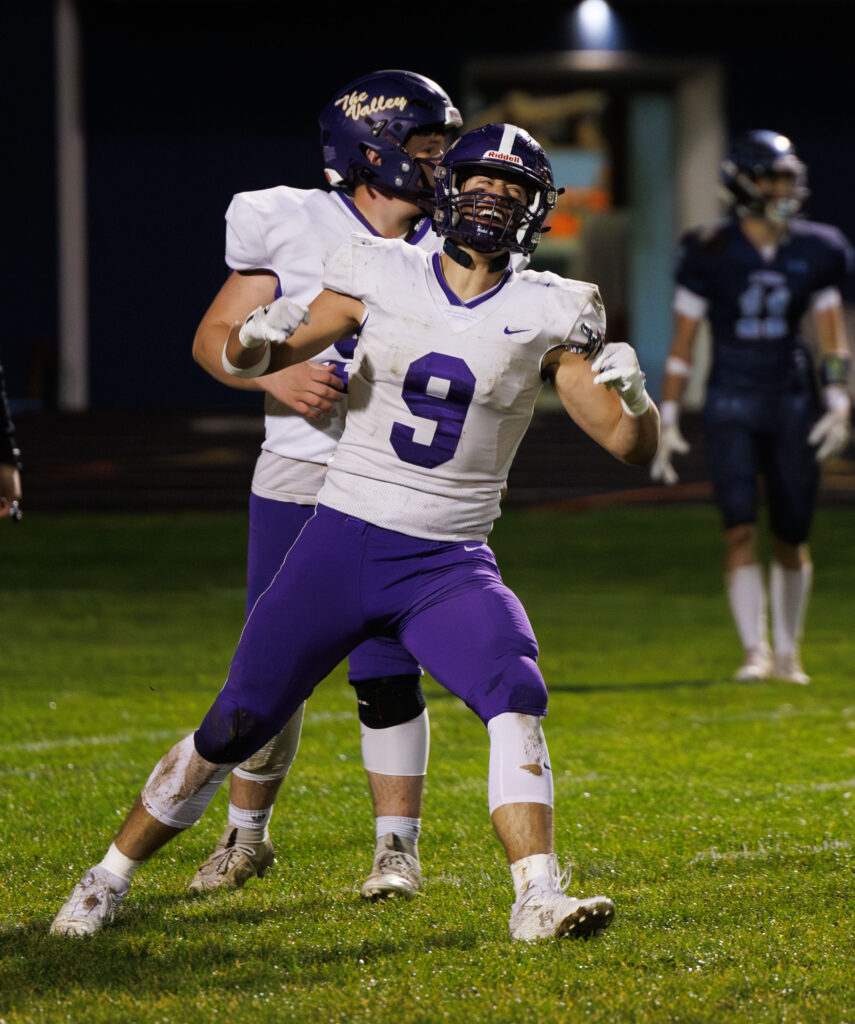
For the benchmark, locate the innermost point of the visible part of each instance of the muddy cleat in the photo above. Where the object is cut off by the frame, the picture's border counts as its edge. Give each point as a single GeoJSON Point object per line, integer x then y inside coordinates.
{"type": "Point", "coordinates": [789, 669]}
{"type": "Point", "coordinates": [757, 665]}
{"type": "Point", "coordinates": [545, 912]}
{"type": "Point", "coordinates": [396, 870]}
{"type": "Point", "coordinates": [92, 904]}
{"type": "Point", "coordinates": [233, 863]}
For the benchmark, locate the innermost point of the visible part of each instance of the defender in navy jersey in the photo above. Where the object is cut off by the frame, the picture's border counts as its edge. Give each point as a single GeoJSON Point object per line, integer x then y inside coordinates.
{"type": "Point", "coordinates": [453, 349]}
{"type": "Point", "coordinates": [754, 276]}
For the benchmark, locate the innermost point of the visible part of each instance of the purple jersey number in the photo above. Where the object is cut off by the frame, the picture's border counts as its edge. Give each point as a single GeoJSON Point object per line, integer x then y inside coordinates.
{"type": "Point", "coordinates": [345, 347]}
{"type": "Point", "coordinates": [439, 388]}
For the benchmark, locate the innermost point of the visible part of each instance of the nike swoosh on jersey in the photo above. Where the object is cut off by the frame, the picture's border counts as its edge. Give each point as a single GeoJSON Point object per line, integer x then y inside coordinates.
{"type": "Point", "coordinates": [472, 547]}
{"type": "Point", "coordinates": [521, 330]}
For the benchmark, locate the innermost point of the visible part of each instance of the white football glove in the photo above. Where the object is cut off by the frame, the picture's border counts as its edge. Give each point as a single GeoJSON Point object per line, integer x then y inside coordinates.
{"type": "Point", "coordinates": [671, 442]}
{"type": "Point", "coordinates": [617, 367]}
{"type": "Point", "coordinates": [831, 431]}
{"type": "Point", "coordinates": [274, 323]}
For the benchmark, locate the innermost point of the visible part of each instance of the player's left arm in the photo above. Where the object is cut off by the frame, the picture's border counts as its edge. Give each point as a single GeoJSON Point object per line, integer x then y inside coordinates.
{"type": "Point", "coordinates": [607, 399]}
{"type": "Point", "coordinates": [274, 337]}
{"type": "Point", "coordinates": [831, 432]}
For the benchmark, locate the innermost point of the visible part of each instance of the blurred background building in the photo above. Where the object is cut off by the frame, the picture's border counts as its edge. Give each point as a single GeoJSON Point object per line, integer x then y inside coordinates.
{"type": "Point", "coordinates": [131, 124]}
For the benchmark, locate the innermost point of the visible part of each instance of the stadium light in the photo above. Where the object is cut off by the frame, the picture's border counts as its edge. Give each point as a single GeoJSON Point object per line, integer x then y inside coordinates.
{"type": "Point", "coordinates": [595, 26]}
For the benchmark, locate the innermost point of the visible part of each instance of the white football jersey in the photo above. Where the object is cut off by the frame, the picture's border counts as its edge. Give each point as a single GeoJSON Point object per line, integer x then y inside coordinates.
{"type": "Point", "coordinates": [442, 391]}
{"type": "Point", "coordinates": [292, 232]}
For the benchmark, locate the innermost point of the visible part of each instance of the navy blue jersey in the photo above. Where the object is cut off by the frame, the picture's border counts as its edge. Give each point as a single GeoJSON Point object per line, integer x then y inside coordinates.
{"type": "Point", "coordinates": [755, 305]}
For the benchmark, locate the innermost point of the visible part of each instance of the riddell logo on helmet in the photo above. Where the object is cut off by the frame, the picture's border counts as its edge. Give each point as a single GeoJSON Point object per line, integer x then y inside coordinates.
{"type": "Point", "coordinates": [509, 158]}
{"type": "Point", "coordinates": [353, 105]}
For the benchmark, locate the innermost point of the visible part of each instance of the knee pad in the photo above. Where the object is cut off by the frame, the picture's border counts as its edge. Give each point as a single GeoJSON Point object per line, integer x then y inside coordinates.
{"type": "Point", "coordinates": [389, 700]}
{"type": "Point", "coordinates": [398, 749]}
{"type": "Point", "coordinates": [182, 785]}
{"type": "Point", "coordinates": [275, 758]}
{"type": "Point", "coordinates": [520, 772]}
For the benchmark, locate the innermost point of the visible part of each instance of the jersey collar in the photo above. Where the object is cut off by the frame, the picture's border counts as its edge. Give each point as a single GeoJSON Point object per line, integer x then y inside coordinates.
{"type": "Point", "coordinates": [454, 299]}
{"type": "Point", "coordinates": [414, 237]}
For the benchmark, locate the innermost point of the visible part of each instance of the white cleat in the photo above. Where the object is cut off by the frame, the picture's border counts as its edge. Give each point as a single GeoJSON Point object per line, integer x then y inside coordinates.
{"type": "Point", "coordinates": [757, 665]}
{"type": "Point", "coordinates": [396, 872]}
{"type": "Point", "coordinates": [232, 863]}
{"type": "Point", "coordinates": [545, 912]}
{"type": "Point", "coordinates": [789, 669]}
{"type": "Point", "coordinates": [92, 904]}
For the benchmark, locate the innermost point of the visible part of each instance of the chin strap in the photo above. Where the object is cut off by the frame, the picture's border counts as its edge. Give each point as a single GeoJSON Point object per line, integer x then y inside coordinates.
{"type": "Point", "coordinates": [499, 262]}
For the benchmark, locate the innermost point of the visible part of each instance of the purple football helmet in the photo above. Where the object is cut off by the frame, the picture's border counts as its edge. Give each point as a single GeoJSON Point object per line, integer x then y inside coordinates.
{"type": "Point", "coordinates": [381, 111]}
{"type": "Point", "coordinates": [485, 222]}
{"type": "Point", "coordinates": [763, 154]}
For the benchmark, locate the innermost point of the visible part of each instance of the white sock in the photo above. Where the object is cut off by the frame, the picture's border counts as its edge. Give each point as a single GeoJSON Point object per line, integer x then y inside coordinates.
{"type": "Point", "coordinates": [747, 597]}
{"type": "Point", "coordinates": [120, 868]}
{"type": "Point", "coordinates": [404, 828]}
{"type": "Point", "coordinates": [789, 590]}
{"type": "Point", "coordinates": [251, 822]}
{"type": "Point", "coordinates": [525, 870]}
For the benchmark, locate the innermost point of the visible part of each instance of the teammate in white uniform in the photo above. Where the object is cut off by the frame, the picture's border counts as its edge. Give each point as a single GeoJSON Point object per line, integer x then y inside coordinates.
{"type": "Point", "coordinates": [377, 133]}
{"type": "Point", "coordinates": [453, 349]}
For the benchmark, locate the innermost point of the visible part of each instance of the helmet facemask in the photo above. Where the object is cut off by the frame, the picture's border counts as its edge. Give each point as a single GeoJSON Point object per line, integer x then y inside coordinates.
{"type": "Point", "coordinates": [758, 157]}
{"type": "Point", "coordinates": [404, 175]}
{"type": "Point", "coordinates": [488, 222]}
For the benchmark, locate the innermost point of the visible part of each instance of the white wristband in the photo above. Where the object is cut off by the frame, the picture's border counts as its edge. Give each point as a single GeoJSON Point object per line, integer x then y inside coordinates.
{"type": "Point", "coordinates": [669, 413]}
{"type": "Point", "coordinates": [678, 367]}
{"type": "Point", "coordinates": [836, 398]}
{"type": "Point", "coordinates": [250, 372]}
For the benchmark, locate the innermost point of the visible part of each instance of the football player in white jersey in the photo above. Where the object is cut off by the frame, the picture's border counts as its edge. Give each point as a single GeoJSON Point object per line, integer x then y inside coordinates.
{"type": "Point", "coordinates": [453, 349]}
{"type": "Point", "coordinates": [380, 135]}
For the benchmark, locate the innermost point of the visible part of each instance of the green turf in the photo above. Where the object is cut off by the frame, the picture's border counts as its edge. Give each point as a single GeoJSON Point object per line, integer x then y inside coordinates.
{"type": "Point", "coordinates": [717, 816]}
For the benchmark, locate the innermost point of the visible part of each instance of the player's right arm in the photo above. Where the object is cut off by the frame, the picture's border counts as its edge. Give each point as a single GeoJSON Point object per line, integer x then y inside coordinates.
{"type": "Point", "coordinates": [309, 389]}
{"type": "Point", "coordinates": [331, 317]}
{"type": "Point", "coordinates": [238, 297]}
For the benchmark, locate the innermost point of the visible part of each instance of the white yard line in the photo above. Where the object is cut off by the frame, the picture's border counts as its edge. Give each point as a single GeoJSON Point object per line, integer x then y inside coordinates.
{"type": "Point", "coordinates": [763, 850]}
{"type": "Point", "coordinates": [90, 741]}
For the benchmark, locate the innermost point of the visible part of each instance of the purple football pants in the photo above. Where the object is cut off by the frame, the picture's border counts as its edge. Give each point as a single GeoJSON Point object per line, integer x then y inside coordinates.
{"type": "Point", "coordinates": [273, 528]}
{"type": "Point", "coordinates": [344, 581]}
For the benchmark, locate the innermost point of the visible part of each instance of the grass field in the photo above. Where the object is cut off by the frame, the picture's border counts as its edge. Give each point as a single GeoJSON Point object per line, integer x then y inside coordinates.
{"type": "Point", "coordinates": [717, 816]}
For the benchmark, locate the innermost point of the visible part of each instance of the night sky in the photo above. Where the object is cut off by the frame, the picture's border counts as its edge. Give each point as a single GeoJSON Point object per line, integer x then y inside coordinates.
{"type": "Point", "coordinates": [187, 103]}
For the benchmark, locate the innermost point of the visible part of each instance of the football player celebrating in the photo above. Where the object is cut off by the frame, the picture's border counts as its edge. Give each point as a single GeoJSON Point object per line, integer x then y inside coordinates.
{"type": "Point", "coordinates": [380, 136]}
{"type": "Point", "coordinates": [452, 351]}
{"type": "Point", "coordinates": [10, 460]}
{"type": "Point", "coordinates": [754, 276]}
